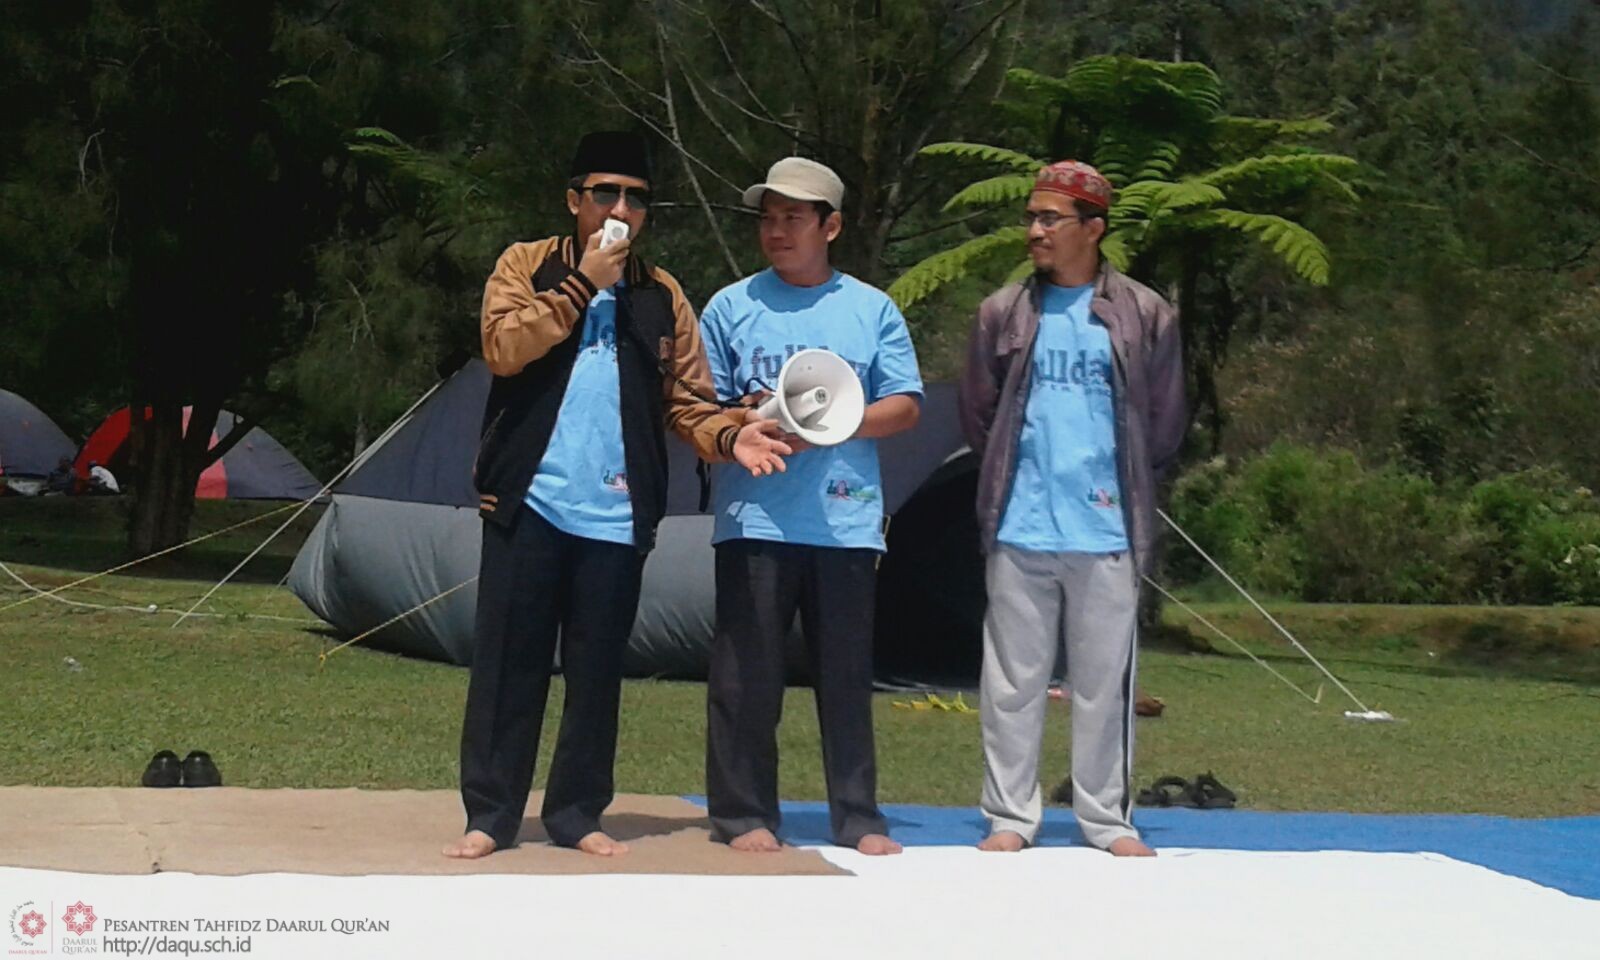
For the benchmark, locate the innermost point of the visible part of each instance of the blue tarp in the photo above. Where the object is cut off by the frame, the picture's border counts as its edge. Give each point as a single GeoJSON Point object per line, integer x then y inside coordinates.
{"type": "Point", "coordinates": [1563, 853]}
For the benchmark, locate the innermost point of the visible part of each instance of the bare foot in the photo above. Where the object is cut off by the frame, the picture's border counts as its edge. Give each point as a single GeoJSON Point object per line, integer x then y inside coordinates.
{"type": "Point", "coordinates": [1002, 841]}
{"type": "Point", "coordinates": [601, 845]}
{"type": "Point", "coordinates": [472, 846]}
{"type": "Point", "coordinates": [878, 845]}
{"type": "Point", "coordinates": [1129, 847]}
{"type": "Point", "coordinates": [759, 840]}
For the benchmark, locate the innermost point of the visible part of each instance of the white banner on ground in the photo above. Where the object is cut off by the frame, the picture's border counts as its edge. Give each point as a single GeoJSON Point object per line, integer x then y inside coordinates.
{"type": "Point", "coordinates": [930, 902]}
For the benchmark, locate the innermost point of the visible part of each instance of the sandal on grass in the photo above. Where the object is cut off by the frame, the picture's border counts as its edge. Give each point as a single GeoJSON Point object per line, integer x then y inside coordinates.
{"type": "Point", "coordinates": [1208, 793]}
{"type": "Point", "coordinates": [1166, 792]}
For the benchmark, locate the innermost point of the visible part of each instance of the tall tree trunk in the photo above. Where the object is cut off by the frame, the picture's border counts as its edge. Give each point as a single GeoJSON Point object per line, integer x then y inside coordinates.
{"type": "Point", "coordinates": [162, 501]}
{"type": "Point", "coordinates": [1200, 350]}
{"type": "Point", "coordinates": [167, 460]}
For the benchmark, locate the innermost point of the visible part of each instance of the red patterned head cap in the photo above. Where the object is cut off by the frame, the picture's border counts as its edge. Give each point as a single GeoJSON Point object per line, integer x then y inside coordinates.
{"type": "Point", "coordinates": [1077, 180]}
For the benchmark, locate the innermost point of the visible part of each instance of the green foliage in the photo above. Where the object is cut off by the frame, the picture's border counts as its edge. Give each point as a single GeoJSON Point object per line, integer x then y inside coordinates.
{"type": "Point", "coordinates": [407, 164]}
{"type": "Point", "coordinates": [1485, 375]}
{"type": "Point", "coordinates": [1280, 173]}
{"type": "Point", "coordinates": [955, 263]}
{"type": "Point", "coordinates": [983, 153]}
{"type": "Point", "coordinates": [1542, 538]}
{"type": "Point", "coordinates": [1149, 199]}
{"type": "Point", "coordinates": [1299, 247]}
{"type": "Point", "coordinates": [1319, 526]}
{"type": "Point", "coordinates": [1010, 188]}
{"type": "Point", "coordinates": [310, 198]}
{"type": "Point", "coordinates": [1157, 132]}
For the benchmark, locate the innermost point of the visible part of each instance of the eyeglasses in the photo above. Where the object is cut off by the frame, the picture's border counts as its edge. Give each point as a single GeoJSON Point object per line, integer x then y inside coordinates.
{"type": "Point", "coordinates": [607, 195]}
{"type": "Point", "coordinates": [1049, 219]}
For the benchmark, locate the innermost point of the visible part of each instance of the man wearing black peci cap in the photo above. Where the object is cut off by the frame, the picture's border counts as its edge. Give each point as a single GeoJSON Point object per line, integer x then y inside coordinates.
{"type": "Point", "coordinates": [593, 351]}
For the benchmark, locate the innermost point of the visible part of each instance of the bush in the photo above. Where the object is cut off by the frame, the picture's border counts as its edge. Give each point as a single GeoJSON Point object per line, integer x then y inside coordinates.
{"type": "Point", "coordinates": [1312, 525]}
{"type": "Point", "coordinates": [1542, 541]}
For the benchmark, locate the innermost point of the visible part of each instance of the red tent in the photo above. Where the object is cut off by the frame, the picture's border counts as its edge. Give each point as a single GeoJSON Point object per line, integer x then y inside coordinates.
{"type": "Point", "coordinates": [257, 468]}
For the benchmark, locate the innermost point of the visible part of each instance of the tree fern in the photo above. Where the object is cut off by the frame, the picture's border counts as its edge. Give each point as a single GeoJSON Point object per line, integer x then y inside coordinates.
{"type": "Point", "coordinates": [1103, 88]}
{"type": "Point", "coordinates": [1183, 170]}
{"type": "Point", "coordinates": [995, 191]}
{"type": "Point", "coordinates": [1095, 80]}
{"type": "Point", "coordinates": [1281, 173]}
{"type": "Point", "coordinates": [447, 184]}
{"type": "Point", "coordinates": [1021, 271]}
{"type": "Point", "coordinates": [1258, 133]}
{"type": "Point", "coordinates": [1150, 198]}
{"type": "Point", "coordinates": [1300, 248]}
{"type": "Point", "coordinates": [1116, 247]}
{"type": "Point", "coordinates": [953, 264]}
{"type": "Point", "coordinates": [985, 153]}
{"type": "Point", "coordinates": [1033, 85]}
{"type": "Point", "coordinates": [1198, 83]}
{"type": "Point", "coordinates": [1125, 154]}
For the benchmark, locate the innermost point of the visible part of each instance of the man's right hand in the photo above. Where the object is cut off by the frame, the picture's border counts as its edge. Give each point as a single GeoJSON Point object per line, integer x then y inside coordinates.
{"type": "Point", "coordinates": [604, 267]}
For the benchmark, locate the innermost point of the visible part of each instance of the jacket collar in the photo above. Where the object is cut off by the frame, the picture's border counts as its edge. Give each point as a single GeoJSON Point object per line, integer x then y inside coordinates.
{"type": "Point", "coordinates": [1104, 304]}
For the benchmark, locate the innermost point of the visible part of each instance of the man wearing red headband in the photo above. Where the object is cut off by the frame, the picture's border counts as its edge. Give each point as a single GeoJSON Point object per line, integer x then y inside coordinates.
{"type": "Point", "coordinates": [1073, 398]}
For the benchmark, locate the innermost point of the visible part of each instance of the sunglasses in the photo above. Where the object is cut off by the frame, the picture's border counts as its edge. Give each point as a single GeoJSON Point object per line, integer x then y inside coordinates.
{"type": "Point", "coordinates": [607, 195]}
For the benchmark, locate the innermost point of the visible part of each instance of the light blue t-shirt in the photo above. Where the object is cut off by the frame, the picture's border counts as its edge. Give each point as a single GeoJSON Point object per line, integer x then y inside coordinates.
{"type": "Point", "coordinates": [827, 496]}
{"type": "Point", "coordinates": [1065, 496]}
{"type": "Point", "coordinates": [581, 485]}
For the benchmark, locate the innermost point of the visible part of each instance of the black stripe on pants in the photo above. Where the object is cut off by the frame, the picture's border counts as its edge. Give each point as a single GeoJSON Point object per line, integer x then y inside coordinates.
{"type": "Point", "coordinates": [760, 585]}
{"type": "Point", "coordinates": [535, 583]}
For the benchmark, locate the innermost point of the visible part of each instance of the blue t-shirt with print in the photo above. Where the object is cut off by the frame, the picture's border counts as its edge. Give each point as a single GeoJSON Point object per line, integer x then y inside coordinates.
{"type": "Point", "coordinates": [1065, 496]}
{"type": "Point", "coordinates": [581, 485]}
{"type": "Point", "coordinates": [827, 496]}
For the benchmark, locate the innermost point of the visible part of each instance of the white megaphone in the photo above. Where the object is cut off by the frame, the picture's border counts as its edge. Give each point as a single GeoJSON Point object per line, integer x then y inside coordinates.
{"type": "Point", "coordinates": [819, 399]}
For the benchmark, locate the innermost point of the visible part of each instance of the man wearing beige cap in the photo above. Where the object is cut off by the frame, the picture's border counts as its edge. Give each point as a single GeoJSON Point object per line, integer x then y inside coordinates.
{"type": "Point", "coordinates": [807, 540]}
{"type": "Point", "coordinates": [1073, 398]}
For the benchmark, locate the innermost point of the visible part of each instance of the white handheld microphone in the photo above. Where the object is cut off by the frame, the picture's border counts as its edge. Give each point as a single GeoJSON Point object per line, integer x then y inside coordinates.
{"type": "Point", "coordinates": [612, 232]}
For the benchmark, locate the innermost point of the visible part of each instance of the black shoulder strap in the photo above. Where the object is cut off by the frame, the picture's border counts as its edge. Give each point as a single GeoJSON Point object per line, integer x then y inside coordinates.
{"type": "Point", "coordinates": [640, 271]}
{"type": "Point", "coordinates": [643, 271]}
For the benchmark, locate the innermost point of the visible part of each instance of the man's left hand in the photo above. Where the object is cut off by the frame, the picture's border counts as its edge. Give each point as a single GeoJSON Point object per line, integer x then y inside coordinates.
{"type": "Point", "coordinates": [760, 448]}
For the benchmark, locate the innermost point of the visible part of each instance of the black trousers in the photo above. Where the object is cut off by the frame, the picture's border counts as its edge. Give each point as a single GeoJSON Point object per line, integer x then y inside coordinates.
{"type": "Point", "coordinates": [537, 583]}
{"type": "Point", "coordinates": [760, 585]}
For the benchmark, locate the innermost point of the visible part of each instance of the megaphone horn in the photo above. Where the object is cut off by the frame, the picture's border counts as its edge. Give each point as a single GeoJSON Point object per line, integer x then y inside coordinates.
{"type": "Point", "coordinates": [818, 398]}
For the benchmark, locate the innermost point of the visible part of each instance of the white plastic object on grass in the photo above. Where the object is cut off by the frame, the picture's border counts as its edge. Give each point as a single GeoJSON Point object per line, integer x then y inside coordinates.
{"type": "Point", "coordinates": [1375, 716]}
{"type": "Point", "coordinates": [151, 609]}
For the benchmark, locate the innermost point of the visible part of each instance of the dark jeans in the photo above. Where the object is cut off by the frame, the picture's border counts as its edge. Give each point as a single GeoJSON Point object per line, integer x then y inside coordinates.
{"type": "Point", "coordinates": [760, 585]}
{"type": "Point", "coordinates": [536, 583]}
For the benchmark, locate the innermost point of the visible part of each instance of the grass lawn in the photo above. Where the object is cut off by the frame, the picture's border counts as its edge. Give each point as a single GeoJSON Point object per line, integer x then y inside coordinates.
{"type": "Point", "coordinates": [1501, 708]}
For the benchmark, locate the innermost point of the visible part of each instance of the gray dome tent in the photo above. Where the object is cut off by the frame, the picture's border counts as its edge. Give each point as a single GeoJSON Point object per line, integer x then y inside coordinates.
{"type": "Point", "coordinates": [403, 528]}
{"type": "Point", "coordinates": [31, 445]}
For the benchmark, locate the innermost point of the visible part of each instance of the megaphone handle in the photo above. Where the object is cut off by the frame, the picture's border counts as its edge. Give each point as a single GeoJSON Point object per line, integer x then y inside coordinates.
{"type": "Point", "coordinates": [803, 406]}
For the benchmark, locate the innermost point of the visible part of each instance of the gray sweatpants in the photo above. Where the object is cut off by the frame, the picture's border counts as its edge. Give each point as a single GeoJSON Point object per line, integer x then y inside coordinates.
{"type": "Point", "coordinates": [1037, 602]}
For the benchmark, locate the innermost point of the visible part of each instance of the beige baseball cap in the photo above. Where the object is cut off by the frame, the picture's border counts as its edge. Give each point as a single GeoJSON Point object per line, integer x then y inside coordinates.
{"type": "Point", "coordinates": [799, 179]}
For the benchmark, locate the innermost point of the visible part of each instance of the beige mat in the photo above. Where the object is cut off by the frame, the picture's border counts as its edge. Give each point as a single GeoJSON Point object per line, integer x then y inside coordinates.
{"type": "Point", "coordinates": [230, 831]}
